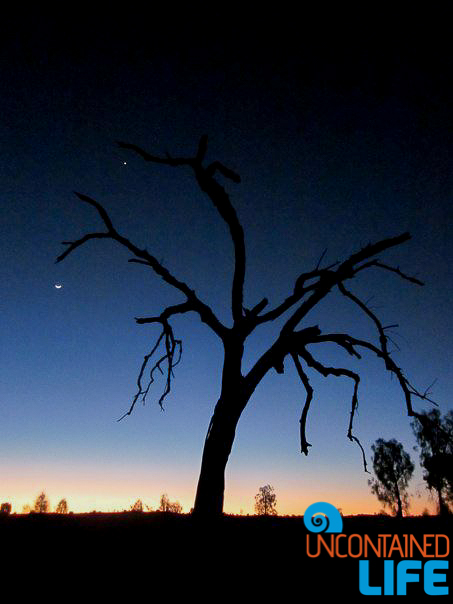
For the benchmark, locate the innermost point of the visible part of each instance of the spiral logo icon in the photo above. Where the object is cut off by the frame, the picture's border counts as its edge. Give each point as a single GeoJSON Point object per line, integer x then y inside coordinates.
{"type": "Point", "coordinates": [323, 517]}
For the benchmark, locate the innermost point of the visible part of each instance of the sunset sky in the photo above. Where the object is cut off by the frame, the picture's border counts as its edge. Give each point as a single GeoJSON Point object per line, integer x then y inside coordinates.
{"type": "Point", "coordinates": [338, 144]}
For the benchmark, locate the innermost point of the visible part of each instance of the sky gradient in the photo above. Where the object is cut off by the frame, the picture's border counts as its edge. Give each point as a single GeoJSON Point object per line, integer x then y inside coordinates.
{"type": "Point", "coordinates": [337, 144]}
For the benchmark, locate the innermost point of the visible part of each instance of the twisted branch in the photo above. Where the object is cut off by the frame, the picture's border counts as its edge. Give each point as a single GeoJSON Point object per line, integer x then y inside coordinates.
{"type": "Point", "coordinates": [336, 371]}
{"type": "Point", "coordinates": [142, 256]}
{"type": "Point", "coordinates": [408, 389]}
{"type": "Point", "coordinates": [304, 444]}
{"type": "Point", "coordinates": [222, 203]}
{"type": "Point", "coordinates": [326, 278]}
{"type": "Point", "coordinates": [172, 356]}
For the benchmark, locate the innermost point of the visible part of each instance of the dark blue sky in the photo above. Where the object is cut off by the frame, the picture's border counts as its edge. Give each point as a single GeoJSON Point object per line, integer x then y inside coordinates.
{"type": "Point", "coordinates": [339, 141]}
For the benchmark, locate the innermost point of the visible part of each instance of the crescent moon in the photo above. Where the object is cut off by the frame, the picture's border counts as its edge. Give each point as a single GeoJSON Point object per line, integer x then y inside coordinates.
{"type": "Point", "coordinates": [58, 286]}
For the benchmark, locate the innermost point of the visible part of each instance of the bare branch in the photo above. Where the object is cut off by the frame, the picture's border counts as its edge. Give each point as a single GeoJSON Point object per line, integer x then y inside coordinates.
{"type": "Point", "coordinates": [312, 337]}
{"type": "Point", "coordinates": [167, 313]}
{"type": "Point", "coordinates": [367, 311]}
{"type": "Point", "coordinates": [138, 261]}
{"type": "Point", "coordinates": [140, 391]}
{"type": "Point", "coordinates": [392, 269]}
{"type": "Point", "coordinates": [304, 444]}
{"type": "Point", "coordinates": [172, 356]}
{"type": "Point", "coordinates": [351, 436]}
{"type": "Point", "coordinates": [144, 257]}
{"type": "Point", "coordinates": [390, 365]}
{"type": "Point", "coordinates": [346, 270]}
{"type": "Point", "coordinates": [216, 166]}
{"type": "Point", "coordinates": [279, 310]}
{"type": "Point", "coordinates": [168, 160]}
{"type": "Point", "coordinates": [320, 260]}
{"type": "Point", "coordinates": [301, 280]}
{"type": "Point", "coordinates": [202, 148]}
{"type": "Point", "coordinates": [102, 211]}
{"type": "Point", "coordinates": [222, 203]}
{"type": "Point", "coordinates": [371, 250]}
{"type": "Point", "coordinates": [299, 292]}
{"type": "Point", "coordinates": [356, 440]}
{"type": "Point", "coordinates": [327, 278]}
{"type": "Point", "coordinates": [259, 307]}
{"type": "Point", "coordinates": [292, 342]}
{"type": "Point", "coordinates": [75, 244]}
{"type": "Point", "coordinates": [326, 371]}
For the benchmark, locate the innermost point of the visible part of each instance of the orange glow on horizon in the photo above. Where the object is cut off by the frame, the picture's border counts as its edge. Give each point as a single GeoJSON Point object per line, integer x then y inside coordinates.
{"type": "Point", "coordinates": [110, 493]}
{"type": "Point", "coordinates": [84, 505]}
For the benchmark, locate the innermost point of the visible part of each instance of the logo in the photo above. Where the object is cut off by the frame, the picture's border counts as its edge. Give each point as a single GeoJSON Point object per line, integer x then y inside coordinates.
{"type": "Point", "coordinates": [323, 517]}
{"type": "Point", "coordinates": [380, 550]}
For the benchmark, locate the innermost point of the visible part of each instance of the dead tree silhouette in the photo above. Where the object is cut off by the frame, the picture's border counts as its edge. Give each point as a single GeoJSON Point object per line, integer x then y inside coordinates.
{"type": "Point", "coordinates": [292, 341]}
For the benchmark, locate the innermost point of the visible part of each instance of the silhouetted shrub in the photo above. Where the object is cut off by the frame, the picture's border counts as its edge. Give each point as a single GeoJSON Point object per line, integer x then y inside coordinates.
{"type": "Point", "coordinates": [5, 508]}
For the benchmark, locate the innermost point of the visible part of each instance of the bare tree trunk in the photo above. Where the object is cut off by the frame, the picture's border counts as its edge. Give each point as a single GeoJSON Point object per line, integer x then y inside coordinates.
{"type": "Point", "coordinates": [219, 440]}
{"type": "Point", "coordinates": [217, 448]}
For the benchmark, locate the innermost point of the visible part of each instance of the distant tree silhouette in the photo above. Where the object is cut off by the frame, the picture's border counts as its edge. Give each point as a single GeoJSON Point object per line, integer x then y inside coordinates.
{"type": "Point", "coordinates": [164, 503]}
{"type": "Point", "coordinates": [175, 507]}
{"type": "Point", "coordinates": [5, 508]}
{"type": "Point", "coordinates": [41, 505]}
{"type": "Point", "coordinates": [138, 506]}
{"type": "Point", "coordinates": [62, 507]}
{"type": "Point", "coordinates": [434, 435]}
{"type": "Point", "coordinates": [393, 469]}
{"type": "Point", "coordinates": [266, 501]}
{"type": "Point", "coordinates": [168, 506]}
{"type": "Point", "coordinates": [294, 341]}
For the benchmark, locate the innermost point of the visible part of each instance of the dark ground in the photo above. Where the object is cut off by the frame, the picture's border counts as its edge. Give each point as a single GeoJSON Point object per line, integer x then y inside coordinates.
{"type": "Point", "coordinates": [143, 554]}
